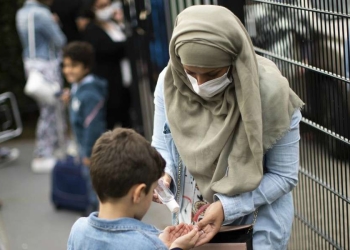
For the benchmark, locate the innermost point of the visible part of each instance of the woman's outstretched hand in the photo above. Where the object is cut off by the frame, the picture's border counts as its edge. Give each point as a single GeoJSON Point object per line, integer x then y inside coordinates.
{"type": "Point", "coordinates": [211, 223]}
{"type": "Point", "coordinates": [166, 180]}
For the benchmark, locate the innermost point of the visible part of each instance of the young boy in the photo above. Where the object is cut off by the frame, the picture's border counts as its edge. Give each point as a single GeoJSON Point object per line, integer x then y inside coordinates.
{"type": "Point", "coordinates": [125, 170]}
{"type": "Point", "coordinates": [87, 97]}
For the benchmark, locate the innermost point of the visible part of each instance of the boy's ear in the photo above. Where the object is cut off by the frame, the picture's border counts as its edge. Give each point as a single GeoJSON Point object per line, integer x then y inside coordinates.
{"type": "Point", "coordinates": [139, 192]}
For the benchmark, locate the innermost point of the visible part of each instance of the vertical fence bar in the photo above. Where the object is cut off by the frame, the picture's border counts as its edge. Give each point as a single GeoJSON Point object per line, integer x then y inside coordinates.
{"type": "Point", "coordinates": [346, 218]}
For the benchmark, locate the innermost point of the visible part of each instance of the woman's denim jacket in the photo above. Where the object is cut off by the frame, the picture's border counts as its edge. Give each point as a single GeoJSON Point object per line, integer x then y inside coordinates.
{"type": "Point", "coordinates": [273, 197]}
{"type": "Point", "coordinates": [49, 39]}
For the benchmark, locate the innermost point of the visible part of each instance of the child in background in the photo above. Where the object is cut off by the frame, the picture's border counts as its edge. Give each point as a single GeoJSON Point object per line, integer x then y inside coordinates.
{"type": "Point", "coordinates": [125, 170]}
{"type": "Point", "coordinates": [86, 104]}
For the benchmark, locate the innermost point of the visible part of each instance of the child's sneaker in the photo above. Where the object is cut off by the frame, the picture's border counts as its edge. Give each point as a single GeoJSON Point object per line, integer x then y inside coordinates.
{"type": "Point", "coordinates": [43, 165]}
{"type": "Point", "coordinates": [8, 155]}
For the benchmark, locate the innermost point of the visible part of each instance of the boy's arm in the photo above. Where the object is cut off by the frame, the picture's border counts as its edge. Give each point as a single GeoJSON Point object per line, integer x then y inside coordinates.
{"type": "Point", "coordinates": [94, 122]}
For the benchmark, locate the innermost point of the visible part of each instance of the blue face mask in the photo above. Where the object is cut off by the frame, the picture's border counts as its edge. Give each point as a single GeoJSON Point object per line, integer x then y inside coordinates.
{"type": "Point", "coordinates": [210, 88]}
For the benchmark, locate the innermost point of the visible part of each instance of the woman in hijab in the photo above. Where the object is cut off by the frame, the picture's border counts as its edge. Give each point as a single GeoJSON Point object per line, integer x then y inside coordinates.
{"type": "Point", "coordinates": [227, 124]}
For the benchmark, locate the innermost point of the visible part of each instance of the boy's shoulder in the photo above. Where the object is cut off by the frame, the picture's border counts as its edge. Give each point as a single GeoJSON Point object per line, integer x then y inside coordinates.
{"type": "Point", "coordinates": [93, 86]}
{"type": "Point", "coordinates": [81, 224]}
{"type": "Point", "coordinates": [142, 235]}
{"type": "Point", "coordinates": [95, 80]}
{"type": "Point", "coordinates": [99, 81]}
{"type": "Point", "coordinates": [129, 233]}
{"type": "Point", "coordinates": [79, 230]}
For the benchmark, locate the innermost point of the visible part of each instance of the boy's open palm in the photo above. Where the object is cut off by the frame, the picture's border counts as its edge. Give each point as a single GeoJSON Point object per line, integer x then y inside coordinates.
{"type": "Point", "coordinates": [187, 241]}
{"type": "Point", "coordinates": [171, 233]}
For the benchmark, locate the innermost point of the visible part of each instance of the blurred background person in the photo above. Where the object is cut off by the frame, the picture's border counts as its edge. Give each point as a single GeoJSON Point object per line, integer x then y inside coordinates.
{"type": "Point", "coordinates": [48, 41]}
{"type": "Point", "coordinates": [67, 12]}
{"type": "Point", "coordinates": [86, 107]}
{"type": "Point", "coordinates": [106, 34]}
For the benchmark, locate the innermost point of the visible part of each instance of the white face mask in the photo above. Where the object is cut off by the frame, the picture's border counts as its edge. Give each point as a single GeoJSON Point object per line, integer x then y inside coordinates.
{"type": "Point", "coordinates": [105, 14]}
{"type": "Point", "coordinates": [210, 88]}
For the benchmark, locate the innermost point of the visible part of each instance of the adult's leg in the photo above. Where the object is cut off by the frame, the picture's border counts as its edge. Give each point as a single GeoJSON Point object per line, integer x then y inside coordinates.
{"type": "Point", "coordinates": [46, 133]}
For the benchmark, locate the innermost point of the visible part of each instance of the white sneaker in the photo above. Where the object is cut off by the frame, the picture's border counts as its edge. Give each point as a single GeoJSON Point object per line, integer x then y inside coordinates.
{"type": "Point", "coordinates": [43, 165]}
{"type": "Point", "coordinates": [8, 155]}
{"type": "Point", "coordinates": [72, 148]}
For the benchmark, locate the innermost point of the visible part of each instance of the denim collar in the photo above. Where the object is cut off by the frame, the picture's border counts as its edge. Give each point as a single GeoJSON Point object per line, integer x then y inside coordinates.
{"type": "Point", "coordinates": [87, 79]}
{"type": "Point", "coordinates": [35, 3]}
{"type": "Point", "coordinates": [121, 224]}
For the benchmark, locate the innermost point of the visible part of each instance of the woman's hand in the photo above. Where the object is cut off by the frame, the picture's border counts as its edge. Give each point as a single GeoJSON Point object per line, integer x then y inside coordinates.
{"type": "Point", "coordinates": [170, 234]}
{"type": "Point", "coordinates": [166, 180]}
{"type": "Point", "coordinates": [211, 222]}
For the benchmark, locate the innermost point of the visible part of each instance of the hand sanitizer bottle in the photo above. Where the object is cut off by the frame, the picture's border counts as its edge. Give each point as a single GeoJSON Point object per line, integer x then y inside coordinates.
{"type": "Point", "coordinates": [167, 197]}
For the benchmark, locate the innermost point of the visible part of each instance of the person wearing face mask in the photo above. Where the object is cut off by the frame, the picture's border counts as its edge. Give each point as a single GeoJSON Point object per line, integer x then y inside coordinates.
{"type": "Point", "coordinates": [105, 33]}
{"type": "Point", "coordinates": [227, 124]}
{"type": "Point", "coordinates": [210, 88]}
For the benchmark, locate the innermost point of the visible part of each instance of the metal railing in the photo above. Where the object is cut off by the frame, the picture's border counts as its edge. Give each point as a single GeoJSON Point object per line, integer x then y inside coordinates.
{"type": "Point", "coordinates": [10, 120]}
{"type": "Point", "coordinates": [309, 42]}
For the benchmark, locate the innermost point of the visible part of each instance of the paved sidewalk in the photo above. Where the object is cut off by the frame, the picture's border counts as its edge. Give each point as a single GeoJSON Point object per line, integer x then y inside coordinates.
{"type": "Point", "coordinates": [3, 238]}
{"type": "Point", "coordinates": [28, 220]}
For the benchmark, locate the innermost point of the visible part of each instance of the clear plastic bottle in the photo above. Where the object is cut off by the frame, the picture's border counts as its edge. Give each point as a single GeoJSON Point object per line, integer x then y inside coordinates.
{"type": "Point", "coordinates": [167, 197]}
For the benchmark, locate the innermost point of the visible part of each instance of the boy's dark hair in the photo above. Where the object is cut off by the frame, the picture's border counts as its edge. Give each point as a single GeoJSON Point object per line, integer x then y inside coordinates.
{"type": "Point", "coordinates": [82, 52]}
{"type": "Point", "coordinates": [121, 159]}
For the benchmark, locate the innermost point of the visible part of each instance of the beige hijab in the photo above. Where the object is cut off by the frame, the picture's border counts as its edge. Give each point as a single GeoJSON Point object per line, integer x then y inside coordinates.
{"type": "Point", "coordinates": [222, 139]}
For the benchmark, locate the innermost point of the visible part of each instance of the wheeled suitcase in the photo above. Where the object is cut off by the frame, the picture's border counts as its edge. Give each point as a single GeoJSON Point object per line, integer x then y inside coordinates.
{"type": "Point", "coordinates": [69, 188]}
